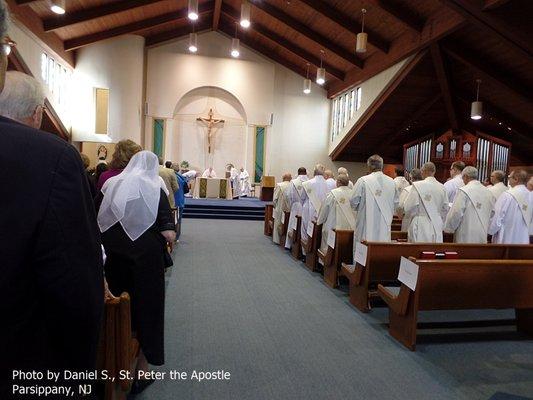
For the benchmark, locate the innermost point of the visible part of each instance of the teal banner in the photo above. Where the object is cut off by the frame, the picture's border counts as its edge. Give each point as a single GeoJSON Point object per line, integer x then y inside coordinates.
{"type": "Point", "coordinates": [259, 166]}
{"type": "Point", "coordinates": [159, 136]}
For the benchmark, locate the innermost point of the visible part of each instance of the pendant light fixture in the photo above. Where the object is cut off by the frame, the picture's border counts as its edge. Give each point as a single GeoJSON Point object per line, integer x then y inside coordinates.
{"type": "Point", "coordinates": [245, 14]}
{"type": "Point", "coordinates": [362, 37]}
{"type": "Point", "coordinates": [307, 82]}
{"type": "Point", "coordinates": [321, 72]}
{"type": "Point", "coordinates": [193, 41]}
{"type": "Point", "coordinates": [476, 111]}
{"type": "Point", "coordinates": [193, 10]}
{"type": "Point", "coordinates": [235, 45]}
{"type": "Point", "coordinates": [57, 6]}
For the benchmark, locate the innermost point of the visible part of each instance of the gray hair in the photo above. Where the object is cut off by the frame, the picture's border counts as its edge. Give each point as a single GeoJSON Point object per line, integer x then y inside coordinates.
{"type": "Point", "coordinates": [499, 175]}
{"type": "Point", "coordinates": [416, 175]}
{"type": "Point", "coordinates": [342, 170]}
{"type": "Point", "coordinates": [470, 172]}
{"type": "Point", "coordinates": [22, 94]}
{"type": "Point", "coordinates": [343, 180]}
{"type": "Point", "coordinates": [4, 19]}
{"type": "Point", "coordinates": [429, 168]}
{"type": "Point", "coordinates": [375, 163]}
{"type": "Point", "coordinates": [319, 169]}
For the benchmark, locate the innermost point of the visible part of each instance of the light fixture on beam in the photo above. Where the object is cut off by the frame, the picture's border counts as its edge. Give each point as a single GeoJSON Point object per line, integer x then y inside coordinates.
{"type": "Point", "coordinates": [245, 14]}
{"type": "Point", "coordinates": [57, 6]}
{"type": "Point", "coordinates": [476, 110]}
{"type": "Point", "coordinates": [362, 37]}
{"type": "Point", "coordinates": [235, 47]}
{"type": "Point", "coordinates": [193, 42]}
{"type": "Point", "coordinates": [193, 10]}
{"type": "Point", "coordinates": [307, 82]}
{"type": "Point", "coordinates": [321, 72]}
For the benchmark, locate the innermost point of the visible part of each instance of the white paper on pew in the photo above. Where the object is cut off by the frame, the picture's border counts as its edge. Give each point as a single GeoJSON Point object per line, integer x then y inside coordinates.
{"type": "Point", "coordinates": [350, 268]}
{"type": "Point", "coordinates": [408, 274]}
{"type": "Point", "coordinates": [310, 229]}
{"type": "Point", "coordinates": [360, 253]}
{"type": "Point", "coordinates": [292, 224]}
{"type": "Point", "coordinates": [331, 239]}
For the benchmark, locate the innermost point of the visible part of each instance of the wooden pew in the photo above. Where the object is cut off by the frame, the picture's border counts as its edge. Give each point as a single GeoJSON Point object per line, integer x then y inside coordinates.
{"type": "Point", "coordinates": [460, 285]}
{"type": "Point", "coordinates": [311, 246]}
{"type": "Point", "coordinates": [334, 257]}
{"type": "Point", "coordinates": [401, 236]}
{"type": "Point", "coordinates": [269, 222]}
{"type": "Point", "coordinates": [285, 228]}
{"type": "Point", "coordinates": [296, 239]}
{"type": "Point", "coordinates": [383, 261]}
{"type": "Point", "coordinates": [118, 350]}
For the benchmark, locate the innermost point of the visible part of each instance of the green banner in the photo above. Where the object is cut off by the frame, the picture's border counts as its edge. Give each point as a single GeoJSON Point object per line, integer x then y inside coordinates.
{"type": "Point", "coordinates": [159, 136]}
{"type": "Point", "coordinates": [259, 165]}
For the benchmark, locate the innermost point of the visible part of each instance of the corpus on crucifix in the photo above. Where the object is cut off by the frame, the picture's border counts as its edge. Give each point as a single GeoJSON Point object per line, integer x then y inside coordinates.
{"type": "Point", "coordinates": [210, 122]}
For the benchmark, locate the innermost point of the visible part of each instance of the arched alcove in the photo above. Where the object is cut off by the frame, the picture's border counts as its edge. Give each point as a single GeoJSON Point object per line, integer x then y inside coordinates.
{"type": "Point", "coordinates": [190, 139]}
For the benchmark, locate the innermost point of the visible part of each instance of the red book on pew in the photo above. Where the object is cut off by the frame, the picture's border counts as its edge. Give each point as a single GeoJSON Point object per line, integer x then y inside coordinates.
{"type": "Point", "coordinates": [428, 255]}
{"type": "Point", "coordinates": [452, 255]}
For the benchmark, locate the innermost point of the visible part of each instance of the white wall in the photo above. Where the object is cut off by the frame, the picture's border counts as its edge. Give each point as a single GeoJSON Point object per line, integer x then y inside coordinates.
{"type": "Point", "coordinates": [299, 134]}
{"type": "Point", "coordinates": [118, 65]}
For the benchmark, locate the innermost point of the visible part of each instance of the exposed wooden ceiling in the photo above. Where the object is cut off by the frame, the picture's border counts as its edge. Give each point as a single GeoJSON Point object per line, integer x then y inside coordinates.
{"type": "Point", "coordinates": [460, 40]}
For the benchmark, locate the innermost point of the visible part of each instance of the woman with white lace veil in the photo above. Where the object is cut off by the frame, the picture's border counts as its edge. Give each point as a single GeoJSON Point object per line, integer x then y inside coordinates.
{"type": "Point", "coordinates": [136, 224]}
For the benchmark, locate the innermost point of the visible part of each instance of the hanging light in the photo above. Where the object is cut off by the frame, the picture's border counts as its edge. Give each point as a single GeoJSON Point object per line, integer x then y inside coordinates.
{"type": "Point", "coordinates": [476, 111]}
{"type": "Point", "coordinates": [307, 82]}
{"type": "Point", "coordinates": [193, 10]}
{"type": "Point", "coordinates": [245, 14]}
{"type": "Point", "coordinates": [235, 46]}
{"type": "Point", "coordinates": [193, 42]}
{"type": "Point", "coordinates": [362, 37]}
{"type": "Point", "coordinates": [321, 72]}
{"type": "Point", "coordinates": [57, 6]}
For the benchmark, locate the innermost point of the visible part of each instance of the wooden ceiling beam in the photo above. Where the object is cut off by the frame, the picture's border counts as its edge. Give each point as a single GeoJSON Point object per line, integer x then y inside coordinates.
{"type": "Point", "coordinates": [401, 13]}
{"type": "Point", "coordinates": [227, 29]}
{"type": "Point", "coordinates": [487, 72]}
{"type": "Point", "coordinates": [377, 103]}
{"type": "Point", "coordinates": [51, 24]}
{"type": "Point", "coordinates": [26, 2]}
{"type": "Point", "coordinates": [474, 13]}
{"type": "Point", "coordinates": [442, 23]}
{"type": "Point", "coordinates": [304, 30]}
{"type": "Point", "coordinates": [443, 76]}
{"type": "Point", "coordinates": [283, 42]}
{"type": "Point", "coordinates": [493, 4]}
{"type": "Point", "coordinates": [216, 14]}
{"type": "Point", "coordinates": [176, 34]}
{"type": "Point", "coordinates": [351, 25]}
{"type": "Point", "coordinates": [133, 27]}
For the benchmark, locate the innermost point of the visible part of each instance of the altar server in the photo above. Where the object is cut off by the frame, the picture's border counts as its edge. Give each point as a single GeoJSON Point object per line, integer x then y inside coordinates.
{"type": "Point", "coordinates": [296, 201]}
{"type": "Point", "coordinates": [416, 176]}
{"type": "Point", "coordinates": [426, 207]}
{"type": "Point", "coordinates": [456, 180]}
{"type": "Point", "coordinates": [375, 199]}
{"type": "Point", "coordinates": [470, 214]}
{"type": "Point", "coordinates": [498, 187]}
{"type": "Point", "coordinates": [513, 215]}
{"type": "Point", "coordinates": [336, 212]}
{"type": "Point", "coordinates": [400, 181]}
{"type": "Point", "coordinates": [209, 173]}
{"type": "Point", "coordinates": [281, 205]}
{"type": "Point", "coordinates": [244, 187]}
{"type": "Point", "coordinates": [314, 194]}
{"type": "Point", "coordinates": [330, 180]}
{"type": "Point", "coordinates": [344, 171]}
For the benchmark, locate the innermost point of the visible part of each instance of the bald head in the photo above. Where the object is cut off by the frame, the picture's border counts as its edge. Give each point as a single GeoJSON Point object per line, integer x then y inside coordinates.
{"type": "Point", "coordinates": [319, 170]}
{"type": "Point", "coordinates": [343, 180]}
{"type": "Point", "coordinates": [286, 177]}
{"type": "Point", "coordinates": [518, 177]}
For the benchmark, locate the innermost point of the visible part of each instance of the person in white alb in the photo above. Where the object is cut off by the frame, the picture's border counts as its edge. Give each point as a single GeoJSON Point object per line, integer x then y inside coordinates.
{"type": "Point", "coordinates": [426, 207]}
{"type": "Point", "coordinates": [209, 173]}
{"type": "Point", "coordinates": [498, 187]}
{"type": "Point", "coordinates": [281, 205]}
{"type": "Point", "coordinates": [469, 217]}
{"type": "Point", "coordinates": [456, 180]}
{"type": "Point", "coordinates": [416, 176]}
{"type": "Point", "coordinates": [245, 187]}
{"type": "Point", "coordinates": [400, 181]}
{"type": "Point", "coordinates": [315, 190]}
{"type": "Point", "coordinates": [530, 184]}
{"type": "Point", "coordinates": [296, 201]}
{"type": "Point", "coordinates": [375, 199]}
{"type": "Point", "coordinates": [330, 180]}
{"type": "Point", "coordinates": [336, 212]}
{"type": "Point", "coordinates": [513, 215]}
{"type": "Point", "coordinates": [344, 171]}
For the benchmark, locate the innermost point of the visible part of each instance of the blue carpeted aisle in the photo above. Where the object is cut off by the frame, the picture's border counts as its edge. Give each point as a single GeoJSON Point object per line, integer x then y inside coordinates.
{"type": "Point", "coordinates": [236, 302]}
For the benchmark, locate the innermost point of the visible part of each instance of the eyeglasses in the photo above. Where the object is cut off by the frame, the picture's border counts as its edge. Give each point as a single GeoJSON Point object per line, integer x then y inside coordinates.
{"type": "Point", "coordinates": [7, 46]}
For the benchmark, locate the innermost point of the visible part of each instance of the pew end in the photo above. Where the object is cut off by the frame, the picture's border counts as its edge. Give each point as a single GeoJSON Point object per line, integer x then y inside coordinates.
{"type": "Point", "coordinates": [296, 247]}
{"type": "Point", "coordinates": [268, 225]}
{"type": "Point", "coordinates": [285, 228]}
{"type": "Point", "coordinates": [336, 257]}
{"type": "Point", "coordinates": [311, 248]}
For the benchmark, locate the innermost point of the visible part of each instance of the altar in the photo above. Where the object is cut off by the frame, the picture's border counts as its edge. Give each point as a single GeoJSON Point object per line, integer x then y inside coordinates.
{"type": "Point", "coordinates": [212, 188]}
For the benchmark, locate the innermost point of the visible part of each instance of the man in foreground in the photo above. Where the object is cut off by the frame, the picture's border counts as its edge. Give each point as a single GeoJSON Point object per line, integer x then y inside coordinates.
{"type": "Point", "coordinates": [315, 190]}
{"type": "Point", "coordinates": [281, 205]}
{"type": "Point", "coordinates": [296, 200]}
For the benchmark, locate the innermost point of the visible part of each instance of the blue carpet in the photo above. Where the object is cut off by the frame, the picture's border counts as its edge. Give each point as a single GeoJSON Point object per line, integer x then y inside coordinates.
{"type": "Point", "coordinates": [236, 302]}
{"type": "Point", "coordinates": [238, 209]}
{"type": "Point", "coordinates": [252, 202]}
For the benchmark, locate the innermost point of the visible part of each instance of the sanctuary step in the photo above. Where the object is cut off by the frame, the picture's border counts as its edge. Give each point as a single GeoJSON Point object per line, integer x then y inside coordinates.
{"type": "Point", "coordinates": [250, 209]}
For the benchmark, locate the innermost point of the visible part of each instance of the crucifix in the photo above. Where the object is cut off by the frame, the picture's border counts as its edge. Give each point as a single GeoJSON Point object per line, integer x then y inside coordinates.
{"type": "Point", "coordinates": [210, 122]}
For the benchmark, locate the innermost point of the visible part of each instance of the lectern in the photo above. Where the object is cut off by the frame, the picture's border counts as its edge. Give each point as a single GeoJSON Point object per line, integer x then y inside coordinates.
{"type": "Point", "coordinates": [267, 188]}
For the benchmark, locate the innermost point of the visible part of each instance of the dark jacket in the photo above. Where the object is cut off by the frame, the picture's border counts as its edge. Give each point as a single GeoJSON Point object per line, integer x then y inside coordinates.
{"type": "Point", "coordinates": [51, 274]}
